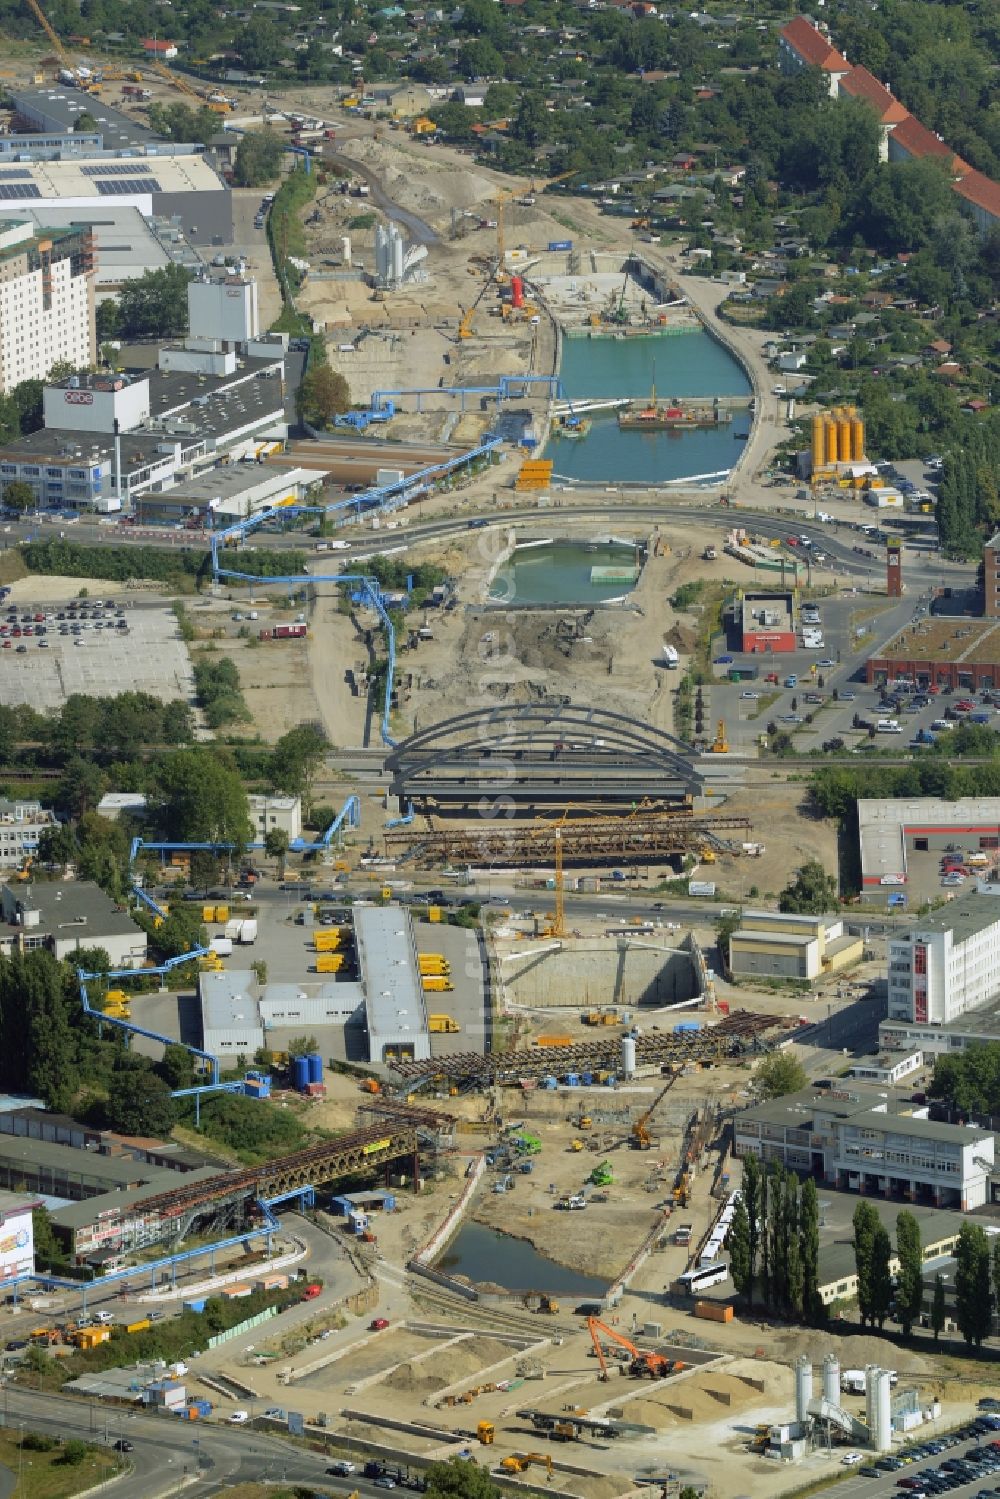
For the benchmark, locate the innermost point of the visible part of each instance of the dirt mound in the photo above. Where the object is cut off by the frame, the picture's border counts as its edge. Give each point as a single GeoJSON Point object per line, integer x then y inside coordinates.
{"type": "Point", "coordinates": [854, 1352]}
{"type": "Point", "coordinates": [429, 191]}
{"type": "Point", "coordinates": [463, 1361]}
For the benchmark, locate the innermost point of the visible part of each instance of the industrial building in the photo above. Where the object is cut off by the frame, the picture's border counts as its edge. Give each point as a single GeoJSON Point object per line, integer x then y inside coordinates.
{"type": "Point", "coordinates": [779, 945]}
{"type": "Point", "coordinates": [948, 963]}
{"type": "Point", "coordinates": [126, 245]}
{"type": "Point", "coordinates": [240, 1016]}
{"type": "Point", "coordinates": [847, 1138]}
{"type": "Point", "coordinates": [765, 622]}
{"type": "Point", "coordinates": [228, 493]}
{"type": "Point", "coordinates": [892, 830]}
{"type": "Point", "coordinates": [46, 299]}
{"type": "Point", "coordinates": [838, 1273]}
{"type": "Point", "coordinates": [22, 823]}
{"type": "Point", "coordinates": [65, 917]}
{"type": "Point", "coordinates": [958, 654]}
{"type": "Point", "coordinates": [52, 113]}
{"type": "Point", "coordinates": [390, 977]}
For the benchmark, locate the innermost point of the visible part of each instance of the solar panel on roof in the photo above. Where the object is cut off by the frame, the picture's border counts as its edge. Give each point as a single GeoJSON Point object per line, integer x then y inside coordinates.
{"type": "Point", "coordinates": [121, 186]}
{"type": "Point", "coordinates": [10, 176]}
{"type": "Point", "coordinates": [112, 169]}
{"type": "Point", "coordinates": [19, 190]}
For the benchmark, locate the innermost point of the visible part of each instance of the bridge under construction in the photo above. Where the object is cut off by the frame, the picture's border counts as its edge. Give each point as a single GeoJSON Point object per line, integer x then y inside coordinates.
{"type": "Point", "coordinates": [641, 837]}
{"type": "Point", "coordinates": [743, 1033]}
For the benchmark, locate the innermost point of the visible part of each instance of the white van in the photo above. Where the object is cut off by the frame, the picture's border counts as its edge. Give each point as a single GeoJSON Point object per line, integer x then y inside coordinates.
{"type": "Point", "coordinates": [888, 726]}
{"type": "Point", "coordinates": [104, 1318]}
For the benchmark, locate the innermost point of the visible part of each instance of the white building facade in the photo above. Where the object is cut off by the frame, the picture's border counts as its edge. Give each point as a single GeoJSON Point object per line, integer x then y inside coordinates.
{"type": "Point", "coordinates": [948, 965]}
{"type": "Point", "coordinates": [22, 823]}
{"type": "Point", "coordinates": [46, 301]}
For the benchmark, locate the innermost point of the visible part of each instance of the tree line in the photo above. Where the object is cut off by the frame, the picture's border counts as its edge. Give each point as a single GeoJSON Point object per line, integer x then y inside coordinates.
{"type": "Point", "coordinates": [774, 1242]}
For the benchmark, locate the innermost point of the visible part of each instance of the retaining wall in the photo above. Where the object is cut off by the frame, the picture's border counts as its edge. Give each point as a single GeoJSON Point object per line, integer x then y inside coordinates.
{"type": "Point", "coordinates": [620, 975]}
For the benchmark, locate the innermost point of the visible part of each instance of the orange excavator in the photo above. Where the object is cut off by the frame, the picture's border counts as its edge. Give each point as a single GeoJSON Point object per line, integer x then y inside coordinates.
{"type": "Point", "coordinates": [642, 1362]}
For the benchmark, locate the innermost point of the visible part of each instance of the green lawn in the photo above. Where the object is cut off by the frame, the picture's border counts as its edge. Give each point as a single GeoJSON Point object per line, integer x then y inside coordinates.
{"type": "Point", "coordinates": [44, 1476]}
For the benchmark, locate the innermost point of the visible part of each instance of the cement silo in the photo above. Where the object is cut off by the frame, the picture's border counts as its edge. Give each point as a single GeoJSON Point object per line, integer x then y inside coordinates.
{"type": "Point", "coordinates": [628, 1057]}
{"type": "Point", "coordinates": [818, 444]}
{"type": "Point", "coordinates": [872, 1371]}
{"type": "Point", "coordinates": [844, 438]}
{"type": "Point", "coordinates": [857, 439]}
{"type": "Point", "coordinates": [397, 251]}
{"type": "Point", "coordinates": [831, 1379]}
{"type": "Point", "coordinates": [831, 441]}
{"type": "Point", "coordinates": [881, 1428]}
{"type": "Point", "coordinates": [803, 1388]}
{"type": "Point", "coordinates": [345, 248]}
{"type": "Point", "coordinates": [383, 256]}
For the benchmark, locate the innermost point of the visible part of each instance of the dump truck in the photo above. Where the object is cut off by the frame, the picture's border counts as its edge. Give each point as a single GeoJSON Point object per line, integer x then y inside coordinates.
{"type": "Point", "coordinates": [486, 1432]}
{"type": "Point", "coordinates": [442, 1025]}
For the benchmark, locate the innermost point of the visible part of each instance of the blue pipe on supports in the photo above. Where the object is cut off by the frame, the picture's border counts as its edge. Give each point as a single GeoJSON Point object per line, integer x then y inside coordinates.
{"type": "Point", "coordinates": [128, 1026]}
{"type": "Point", "coordinates": [348, 816]}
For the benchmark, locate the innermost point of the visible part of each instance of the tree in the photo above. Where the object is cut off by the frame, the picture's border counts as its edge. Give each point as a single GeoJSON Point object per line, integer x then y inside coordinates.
{"type": "Point", "coordinates": [140, 1104]}
{"type": "Point", "coordinates": [752, 1193]}
{"type": "Point", "coordinates": [203, 799]}
{"type": "Point", "coordinates": [739, 1250]}
{"type": "Point", "coordinates": [276, 847]}
{"type": "Point", "coordinates": [48, 1250]}
{"type": "Point", "coordinates": [812, 1305]}
{"type": "Point", "coordinates": [73, 1452]}
{"type": "Point", "coordinates": [973, 1299]}
{"type": "Point", "coordinates": [811, 893]}
{"type": "Point", "coordinates": [258, 158]}
{"type": "Point", "coordinates": [85, 124]}
{"type": "Point", "coordinates": [938, 1307]}
{"type": "Point", "coordinates": [725, 926]}
{"type": "Point", "coordinates": [866, 1223]}
{"type": "Point", "coordinates": [296, 757]}
{"type": "Point", "coordinates": [778, 1074]}
{"type": "Point", "coordinates": [881, 1285]}
{"type": "Point", "coordinates": [794, 1278]}
{"type": "Point", "coordinates": [17, 495]}
{"type": "Point", "coordinates": [909, 1277]}
{"type": "Point", "coordinates": [176, 1067]}
{"type": "Point", "coordinates": [155, 304]}
{"type": "Point", "coordinates": [259, 43]}
{"type": "Point", "coordinates": [322, 395]}
{"type": "Point", "coordinates": [459, 1479]}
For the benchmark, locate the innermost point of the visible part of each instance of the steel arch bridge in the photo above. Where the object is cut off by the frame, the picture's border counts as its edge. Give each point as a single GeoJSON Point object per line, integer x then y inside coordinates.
{"type": "Point", "coordinates": [551, 753]}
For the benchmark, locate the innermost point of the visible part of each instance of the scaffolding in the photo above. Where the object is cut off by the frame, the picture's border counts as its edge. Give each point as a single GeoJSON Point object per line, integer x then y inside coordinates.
{"type": "Point", "coordinates": [638, 839]}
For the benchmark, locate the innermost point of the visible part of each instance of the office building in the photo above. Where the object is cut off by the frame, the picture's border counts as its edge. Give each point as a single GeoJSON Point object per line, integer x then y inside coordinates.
{"type": "Point", "coordinates": [848, 1139]}
{"type": "Point", "coordinates": [947, 963]}
{"type": "Point", "coordinates": [22, 823]}
{"type": "Point", "coordinates": [780, 945]}
{"type": "Point", "coordinates": [126, 245]}
{"type": "Point", "coordinates": [46, 300]}
{"type": "Point", "coordinates": [276, 813]}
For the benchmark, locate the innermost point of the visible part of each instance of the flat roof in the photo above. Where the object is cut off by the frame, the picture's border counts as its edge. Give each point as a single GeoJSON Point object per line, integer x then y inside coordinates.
{"type": "Point", "coordinates": [62, 106]}
{"type": "Point", "coordinates": [229, 999]}
{"type": "Point", "coordinates": [387, 962]}
{"type": "Point", "coordinates": [72, 906]}
{"type": "Point", "coordinates": [963, 917]}
{"type": "Point", "coordinates": [955, 640]}
{"type": "Point", "coordinates": [761, 934]}
{"type": "Point", "coordinates": [836, 1255]}
{"type": "Point", "coordinates": [857, 1104]}
{"type": "Point", "coordinates": [233, 479]}
{"type": "Point", "coordinates": [12, 1203]}
{"type": "Point", "coordinates": [885, 823]}
{"type": "Point", "coordinates": [154, 1180]}
{"type": "Point", "coordinates": [919, 1129]}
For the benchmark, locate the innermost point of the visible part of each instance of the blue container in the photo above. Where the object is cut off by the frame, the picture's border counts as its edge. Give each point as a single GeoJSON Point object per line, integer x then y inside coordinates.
{"type": "Point", "coordinates": [315, 1067]}
{"type": "Point", "coordinates": [572, 1081]}
{"type": "Point", "coordinates": [300, 1073]}
{"type": "Point", "coordinates": [587, 1079]}
{"type": "Point", "coordinates": [560, 244]}
{"type": "Point", "coordinates": [549, 1082]}
{"type": "Point", "coordinates": [195, 1306]}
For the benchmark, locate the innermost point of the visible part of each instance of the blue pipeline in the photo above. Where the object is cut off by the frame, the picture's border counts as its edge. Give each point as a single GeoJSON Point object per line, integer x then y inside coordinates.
{"type": "Point", "coordinates": [348, 816]}
{"type": "Point", "coordinates": [128, 1026]}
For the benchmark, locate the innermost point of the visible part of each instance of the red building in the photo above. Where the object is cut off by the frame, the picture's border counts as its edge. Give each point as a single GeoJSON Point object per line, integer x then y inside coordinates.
{"type": "Point", "coordinates": [767, 622]}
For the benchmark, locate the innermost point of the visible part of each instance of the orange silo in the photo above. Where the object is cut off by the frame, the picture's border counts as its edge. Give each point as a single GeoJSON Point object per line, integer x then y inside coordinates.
{"type": "Point", "coordinates": [818, 444]}
{"type": "Point", "coordinates": [831, 441]}
{"type": "Point", "coordinates": [857, 439]}
{"type": "Point", "coordinates": [844, 439]}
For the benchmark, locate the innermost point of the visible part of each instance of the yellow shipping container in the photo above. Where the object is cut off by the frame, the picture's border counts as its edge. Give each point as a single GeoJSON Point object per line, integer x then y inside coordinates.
{"type": "Point", "coordinates": [222, 913]}
{"type": "Point", "coordinates": [208, 913]}
{"type": "Point", "coordinates": [329, 962]}
{"type": "Point", "coordinates": [433, 913]}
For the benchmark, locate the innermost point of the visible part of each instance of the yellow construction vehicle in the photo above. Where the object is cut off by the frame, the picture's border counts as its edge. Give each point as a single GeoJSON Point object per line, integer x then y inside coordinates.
{"type": "Point", "coordinates": [519, 1461]}
{"type": "Point", "coordinates": [486, 1432]}
{"type": "Point", "coordinates": [576, 1145]}
{"type": "Point", "coordinates": [584, 1122]}
{"type": "Point", "coordinates": [549, 1306]}
{"type": "Point", "coordinates": [600, 1017]}
{"type": "Point", "coordinates": [720, 744]}
{"type": "Point", "coordinates": [640, 1138]}
{"type": "Point", "coordinates": [24, 873]}
{"type": "Point", "coordinates": [168, 76]}
{"type": "Point", "coordinates": [682, 1192]}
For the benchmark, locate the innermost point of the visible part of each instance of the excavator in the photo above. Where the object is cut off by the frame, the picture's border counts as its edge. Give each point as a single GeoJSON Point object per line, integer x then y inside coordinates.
{"type": "Point", "coordinates": [642, 1362]}
{"type": "Point", "coordinates": [519, 1461]}
{"type": "Point", "coordinates": [640, 1138]}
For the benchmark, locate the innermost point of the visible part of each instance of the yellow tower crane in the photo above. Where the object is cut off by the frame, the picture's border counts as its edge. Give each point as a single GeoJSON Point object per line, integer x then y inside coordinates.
{"type": "Point", "coordinates": [58, 48]}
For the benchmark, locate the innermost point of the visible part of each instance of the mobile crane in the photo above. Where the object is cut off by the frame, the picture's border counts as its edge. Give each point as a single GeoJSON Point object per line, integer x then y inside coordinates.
{"type": "Point", "coordinates": [642, 1362]}
{"type": "Point", "coordinates": [81, 76]}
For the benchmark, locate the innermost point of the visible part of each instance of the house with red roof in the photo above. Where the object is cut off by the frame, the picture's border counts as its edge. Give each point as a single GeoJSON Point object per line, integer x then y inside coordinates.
{"type": "Point", "coordinates": [161, 49]}
{"type": "Point", "coordinates": [911, 141]}
{"type": "Point", "coordinates": [860, 84]}
{"type": "Point", "coordinates": [802, 45]}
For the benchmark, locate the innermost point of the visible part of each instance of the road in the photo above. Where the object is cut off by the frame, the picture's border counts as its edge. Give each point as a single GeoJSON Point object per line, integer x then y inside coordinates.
{"type": "Point", "coordinates": [168, 1450]}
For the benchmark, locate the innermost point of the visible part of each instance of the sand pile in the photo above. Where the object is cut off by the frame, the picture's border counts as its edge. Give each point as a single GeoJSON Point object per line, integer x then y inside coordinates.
{"type": "Point", "coordinates": [428, 191]}
{"type": "Point", "coordinates": [853, 1352]}
{"type": "Point", "coordinates": [597, 1488]}
{"type": "Point", "coordinates": [463, 1361]}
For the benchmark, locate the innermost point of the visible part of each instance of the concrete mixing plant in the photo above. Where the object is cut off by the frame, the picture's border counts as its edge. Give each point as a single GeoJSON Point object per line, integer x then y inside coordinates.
{"type": "Point", "coordinates": [820, 1420]}
{"type": "Point", "coordinates": [838, 441]}
{"type": "Point", "coordinates": [396, 264]}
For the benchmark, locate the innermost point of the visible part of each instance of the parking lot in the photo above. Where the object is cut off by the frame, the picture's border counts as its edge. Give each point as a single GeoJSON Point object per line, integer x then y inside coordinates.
{"type": "Point", "coordinates": [91, 646]}
{"type": "Point", "coordinates": [964, 1462]}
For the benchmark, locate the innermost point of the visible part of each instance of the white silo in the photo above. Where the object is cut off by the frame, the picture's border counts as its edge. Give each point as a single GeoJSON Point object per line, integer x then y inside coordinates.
{"type": "Point", "coordinates": [872, 1372]}
{"type": "Point", "coordinates": [831, 1379]}
{"type": "Point", "coordinates": [345, 248]}
{"type": "Point", "coordinates": [383, 254]}
{"type": "Point", "coordinates": [397, 251]}
{"type": "Point", "coordinates": [803, 1388]}
{"type": "Point", "coordinates": [882, 1430]}
{"type": "Point", "coordinates": [628, 1056]}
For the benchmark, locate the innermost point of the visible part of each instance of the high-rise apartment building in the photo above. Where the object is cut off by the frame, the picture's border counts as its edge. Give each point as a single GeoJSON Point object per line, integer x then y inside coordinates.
{"type": "Point", "coordinates": [46, 301]}
{"type": "Point", "coordinates": [946, 964]}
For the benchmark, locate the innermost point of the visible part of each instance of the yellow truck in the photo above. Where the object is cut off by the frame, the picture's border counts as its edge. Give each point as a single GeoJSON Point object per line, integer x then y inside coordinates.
{"type": "Point", "coordinates": [437, 983]}
{"type": "Point", "coordinates": [438, 967]}
{"type": "Point", "coordinates": [442, 1025]}
{"type": "Point", "coordinates": [329, 962]}
{"type": "Point", "coordinates": [327, 939]}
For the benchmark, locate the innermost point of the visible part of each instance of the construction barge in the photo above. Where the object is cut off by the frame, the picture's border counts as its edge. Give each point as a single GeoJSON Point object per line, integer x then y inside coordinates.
{"type": "Point", "coordinates": [672, 417]}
